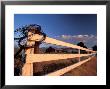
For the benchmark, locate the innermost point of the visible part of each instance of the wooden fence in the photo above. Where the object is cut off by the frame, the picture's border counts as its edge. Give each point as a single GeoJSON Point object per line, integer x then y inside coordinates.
{"type": "Point", "coordinates": [27, 69]}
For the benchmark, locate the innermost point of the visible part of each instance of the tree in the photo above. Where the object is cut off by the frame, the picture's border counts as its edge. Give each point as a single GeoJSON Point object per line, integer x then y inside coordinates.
{"type": "Point", "coordinates": [94, 48]}
{"type": "Point", "coordinates": [81, 44]}
{"type": "Point", "coordinates": [50, 49]}
{"type": "Point", "coordinates": [21, 35]}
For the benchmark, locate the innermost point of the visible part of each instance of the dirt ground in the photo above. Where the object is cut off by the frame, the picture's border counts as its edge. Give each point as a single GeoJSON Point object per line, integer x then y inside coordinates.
{"type": "Point", "coordinates": [87, 69]}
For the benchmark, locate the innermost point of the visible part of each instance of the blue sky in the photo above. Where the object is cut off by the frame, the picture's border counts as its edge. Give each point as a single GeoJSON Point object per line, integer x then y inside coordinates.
{"type": "Point", "coordinates": [67, 27]}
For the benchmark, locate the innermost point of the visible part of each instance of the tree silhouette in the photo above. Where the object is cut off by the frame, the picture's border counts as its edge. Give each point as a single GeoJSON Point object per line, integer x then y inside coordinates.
{"type": "Point", "coordinates": [50, 49]}
{"type": "Point", "coordinates": [81, 44]}
{"type": "Point", "coordinates": [94, 48]}
{"type": "Point", "coordinates": [21, 35]}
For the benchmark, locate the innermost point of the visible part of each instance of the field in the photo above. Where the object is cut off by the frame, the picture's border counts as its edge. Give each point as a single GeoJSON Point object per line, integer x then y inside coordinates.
{"type": "Point", "coordinates": [89, 68]}
{"type": "Point", "coordinates": [46, 67]}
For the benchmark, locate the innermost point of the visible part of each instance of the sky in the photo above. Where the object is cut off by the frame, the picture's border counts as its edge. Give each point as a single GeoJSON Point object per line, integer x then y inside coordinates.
{"type": "Point", "coordinates": [71, 28]}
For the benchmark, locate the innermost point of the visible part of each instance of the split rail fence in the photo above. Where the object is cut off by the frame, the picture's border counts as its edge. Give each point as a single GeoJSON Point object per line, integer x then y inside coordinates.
{"type": "Point", "coordinates": [31, 58]}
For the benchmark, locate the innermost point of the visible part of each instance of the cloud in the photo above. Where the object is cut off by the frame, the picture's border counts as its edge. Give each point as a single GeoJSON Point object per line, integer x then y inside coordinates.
{"type": "Point", "coordinates": [89, 40]}
{"type": "Point", "coordinates": [76, 37]}
{"type": "Point", "coordinates": [66, 36]}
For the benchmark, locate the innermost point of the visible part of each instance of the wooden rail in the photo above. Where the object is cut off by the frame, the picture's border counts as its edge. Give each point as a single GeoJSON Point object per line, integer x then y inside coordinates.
{"type": "Point", "coordinates": [58, 42]}
{"type": "Point", "coordinates": [49, 57]}
{"type": "Point", "coordinates": [66, 69]}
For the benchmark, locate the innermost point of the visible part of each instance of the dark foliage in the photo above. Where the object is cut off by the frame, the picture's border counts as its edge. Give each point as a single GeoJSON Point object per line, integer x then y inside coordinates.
{"type": "Point", "coordinates": [50, 50]}
{"type": "Point", "coordinates": [23, 34]}
{"type": "Point", "coordinates": [94, 48]}
{"type": "Point", "coordinates": [21, 37]}
{"type": "Point", "coordinates": [81, 44]}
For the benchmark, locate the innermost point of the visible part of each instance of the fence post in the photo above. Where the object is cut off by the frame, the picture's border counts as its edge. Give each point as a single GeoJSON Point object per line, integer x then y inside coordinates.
{"type": "Point", "coordinates": [27, 69]}
{"type": "Point", "coordinates": [88, 52]}
{"type": "Point", "coordinates": [79, 54]}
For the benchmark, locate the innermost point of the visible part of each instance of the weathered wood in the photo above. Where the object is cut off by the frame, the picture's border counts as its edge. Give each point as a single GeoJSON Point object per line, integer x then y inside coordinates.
{"type": "Point", "coordinates": [49, 57]}
{"type": "Point", "coordinates": [79, 54]}
{"type": "Point", "coordinates": [58, 42]}
{"type": "Point", "coordinates": [27, 69]}
{"type": "Point", "coordinates": [66, 69]}
{"type": "Point", "coordinates": [36, 47]}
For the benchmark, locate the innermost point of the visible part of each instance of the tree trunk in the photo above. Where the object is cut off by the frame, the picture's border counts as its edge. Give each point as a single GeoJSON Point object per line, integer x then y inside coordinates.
{"type": "Point", "coordinates": [36, 47]}
{"type": "Point", "coordinates": [16, 54]}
